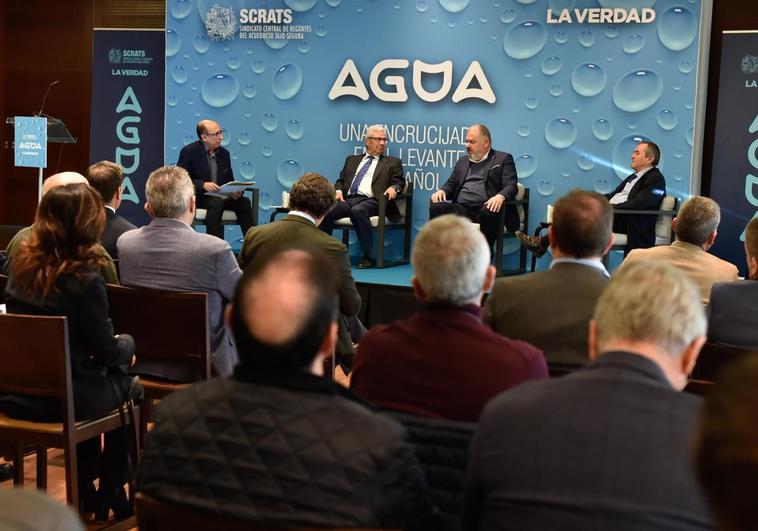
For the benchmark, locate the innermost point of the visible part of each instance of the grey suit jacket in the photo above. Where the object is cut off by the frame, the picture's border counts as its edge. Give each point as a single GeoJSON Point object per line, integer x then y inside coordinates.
{"type": "Point", "coordinates": [294, 231]}
{"type": "Point", "coordinates": [549, 309]}
{"type": "Point", "coordinates": [733, 314]}
{"type": "Point", "coordinates": [168, 254]}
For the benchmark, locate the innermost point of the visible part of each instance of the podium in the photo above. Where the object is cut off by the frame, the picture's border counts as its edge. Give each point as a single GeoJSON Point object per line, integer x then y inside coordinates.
{"type": "Point", "coordinates": [57, 133]}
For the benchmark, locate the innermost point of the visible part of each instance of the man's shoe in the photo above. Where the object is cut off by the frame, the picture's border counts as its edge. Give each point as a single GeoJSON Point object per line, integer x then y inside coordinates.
{"type": "Point", "coordinates": [533, 243]}
{"type": "Point", "coordinates": [365, 263]}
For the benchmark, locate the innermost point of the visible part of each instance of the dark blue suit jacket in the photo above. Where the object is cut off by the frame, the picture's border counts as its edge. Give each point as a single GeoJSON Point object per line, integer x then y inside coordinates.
{"type": "Point", "coordinates": [194, 158]}
{"type": "Point", "coordinates": [646, 194]}
{"type": "Point", "coordinates": [732, 314]}
{"type": "Point", "coordinates": [605, 447]}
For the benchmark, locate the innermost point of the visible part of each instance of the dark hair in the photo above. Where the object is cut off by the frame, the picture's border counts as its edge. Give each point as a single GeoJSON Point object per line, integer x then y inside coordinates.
{"type": "Point", "coordinates": [652, 150]}
{"type": "Point", "coordinates": [582, 223]}
{"type": "Point", "coordinates": [313, 269]}
{"type": "Point", "coordinates": [751, 238]}
{"type": "Point", "coordinates": [105, 177]}
{"type": "Point", "coordinates": [727, 447]}
{"type": "Point", "coordinates": [63, 240]}
{"type": "Point", "coordinates": [313, 194]}
{"type": "Point", "coordinates": [200, 129]}
{"type": "Point", "coordinates": [483, 131]}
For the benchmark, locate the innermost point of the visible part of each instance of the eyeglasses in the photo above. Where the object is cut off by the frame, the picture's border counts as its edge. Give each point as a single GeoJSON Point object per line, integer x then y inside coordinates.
{"type": "Point", "coordinates": [377, 138]}
{"type": "Point", "coordinates": [219, 132]}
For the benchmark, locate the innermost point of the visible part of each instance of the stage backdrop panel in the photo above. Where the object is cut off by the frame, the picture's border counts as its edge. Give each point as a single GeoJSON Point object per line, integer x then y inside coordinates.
{"type": "Point", "coordinates": [128, 68]}
{"type": "Point", "coordinates": [568, 93]}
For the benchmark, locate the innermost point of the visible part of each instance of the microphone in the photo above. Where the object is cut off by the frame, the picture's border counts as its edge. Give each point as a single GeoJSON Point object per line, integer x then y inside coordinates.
{"type": "Point", "coordinates": [45, 96]}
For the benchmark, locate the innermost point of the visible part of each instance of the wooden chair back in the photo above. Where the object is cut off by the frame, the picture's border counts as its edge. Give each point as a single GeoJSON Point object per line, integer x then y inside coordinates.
{"type": "Point", "coordinates": [3, 283]}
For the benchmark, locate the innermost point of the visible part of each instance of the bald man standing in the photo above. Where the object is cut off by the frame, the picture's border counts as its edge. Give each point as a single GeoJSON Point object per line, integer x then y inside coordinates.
{"type": "Point", "coordinates": [210, 167]}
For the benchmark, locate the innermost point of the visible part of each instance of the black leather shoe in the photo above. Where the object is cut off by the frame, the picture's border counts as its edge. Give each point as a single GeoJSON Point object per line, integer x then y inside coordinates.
{"type": "Point", "coordinates": [533, 243]}
{"type": "Point", "coordinates": [365, 263]}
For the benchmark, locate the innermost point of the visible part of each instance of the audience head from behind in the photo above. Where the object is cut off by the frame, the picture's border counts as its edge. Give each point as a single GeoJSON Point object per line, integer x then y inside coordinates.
{"type": "Point", "coordinates": [106, 177]}
{"type": "Point", "coordinates": [284, 313]}
{"type": "Point", "coordinates": [313, 195]}
{"type": "Point", "coordinates": [727, 446]}
{"type": "Point", "coordinates": [582, 225]}
{"type": "Point", "coordinates": [451, 262]}
{"type": "Point", "coordinates": [653, 310]}
{"type": "Point", "coordinates": [67, 227]}
{"type": "Point", "coordinates": [697, 221]}
{"type": "Point", "coordinates": [170, 193]}
{"type": "Point", "coordinates": [751, 248]}
{"type": "Point", "coordinates": [62, 179]}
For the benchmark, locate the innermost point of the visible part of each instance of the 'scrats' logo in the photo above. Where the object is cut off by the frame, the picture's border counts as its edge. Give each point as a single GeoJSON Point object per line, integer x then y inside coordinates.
{"type": "Point", "coordinates": [114, 56]}
{"type": "Point", "coordinates": [750, 64]}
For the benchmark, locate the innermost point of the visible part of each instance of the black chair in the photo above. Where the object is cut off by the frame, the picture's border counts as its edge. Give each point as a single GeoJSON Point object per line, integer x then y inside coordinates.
{"type": "Point", "coordinates": [714, 357]}
{"type": "Point", "coordinates": [521, 202]}
{"type": "Point", "coordinates": [229, 217]}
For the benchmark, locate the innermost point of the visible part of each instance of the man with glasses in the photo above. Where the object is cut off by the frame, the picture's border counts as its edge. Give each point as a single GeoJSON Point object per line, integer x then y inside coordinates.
{"type": "Point", "coordinates": [210, 167]}
{"type": "Point", "coordinates": [363, 179]}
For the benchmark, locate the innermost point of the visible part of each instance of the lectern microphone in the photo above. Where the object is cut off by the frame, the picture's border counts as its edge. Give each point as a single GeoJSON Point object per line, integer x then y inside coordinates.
{"type": "Point", "coordinates": [45, 96]}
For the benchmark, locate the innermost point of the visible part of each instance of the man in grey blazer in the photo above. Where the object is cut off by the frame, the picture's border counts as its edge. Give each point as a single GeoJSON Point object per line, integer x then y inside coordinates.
{"type": "Point", "coordinates": [607, 446]}
{"type": "Point", "coordinates": [552, 309]}
{"type": "Point", "coordinates": [168, 254]}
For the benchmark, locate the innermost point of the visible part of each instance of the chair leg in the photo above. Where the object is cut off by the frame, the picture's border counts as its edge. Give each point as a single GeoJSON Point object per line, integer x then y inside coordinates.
{"type": "Point", "coordinates": [72, 474]}
{"type": "Point", "coordinates": [18, 464]}
{"type": "Point", "coordinates": [41, 468]}
{"type": "Point", "coordinates": [380, 246]}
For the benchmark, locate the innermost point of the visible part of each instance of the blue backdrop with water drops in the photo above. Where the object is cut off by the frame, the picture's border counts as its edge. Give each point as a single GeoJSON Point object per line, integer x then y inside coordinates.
{"type": "Point", "coordinates": [572, 100]}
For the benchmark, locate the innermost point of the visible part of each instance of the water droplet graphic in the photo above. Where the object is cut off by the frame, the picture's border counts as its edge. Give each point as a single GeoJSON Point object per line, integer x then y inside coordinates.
{"type": "Point", "coordinates": [576, 110]}
{"type": "Point", "coordinates": [287, 81]}
{"type": "Point", "coordinates": [560, 133]}
{"type": "Point", "coordinates": [483, 20]}
{"type": "Point", "coordinates": [525, 40]}
{"type": "Point", "coordinates": [508, 16]}
{"type": "Point", "coordinates": [171, 101]}
{"type": "Point", "coordinates": [631, 125]}
{"type": "Point", "coordinates": [396, 4]}
{"type": "Point", "coordinates": [211, 62]}
{"type": "Point", "coordinates": [551, 66]}
{"type": "Point", "coordinates": [677, 86]}
{"type": "Point", "coordinates": [201, 43]}
{"type": "Point", "coordinates": [526, 165]}
{"type": "Point", "coordinates": [186, 55]}
{"type": "Point", "coordinates": [690, 133]}
{"type": "Point", "coordinates": [555, 90]}
{"type": "Point", "coordinates": [526, 2]}
{"type": "Point", "coordinates": [689, 105]}
{"type": "Point", "coordinates": [179, 121]}
{"type": "Point", "coordinates": [195, 67]}
{"type": "Point", "coordinates": [294, 129]}
{"type": "Point", "coordinates": [300, 5]}
{"type": "Point", "coordinates": [269, 122]}
{"type": "Point", "coordinates": [188, 139]}
{"type": "Point", "coordinates": [528, 75]}
{"type": "Point", "coordinates": [622, 152]}
{"type": "Point", "coordinates": [264, 201]}
{"type": "Point", "coordinates": [180, 9]}
{"type": "Point", "coordinates": [677, 28]}
{"type": "Point", "coordinates": [611, 31]}
{"type": "Point", "coordinates": [220, 90]}
{"type": "Point", "coordinates": [565, 174]}
{"type": "Point", "coordinates": [678, 154]}
{"type": "Point", "coordinates": [247, 170]}
{"type": "Point", "coordinates": [638, 90]}
{"type": "Point", "coordinates": [267, 151]}
{"type": "Point", "coordinates": [422, 6]}
{"type": "Point", "coordinates": [586, 38]}
{"type": "Point", "coordinates": [545, 188]}
{"type": "Point", "coordinates": [633, 43]}
{"type": "Point", "coordinates": [585, 162]}
{"type": "Point", "coordinates": [303, 47]}
{"type": "Point", "coordinates": [258, 66]}
{"type": "Point", "coordinates": [248, 91]}
{"type": "Point", "coordinates": [276, 44]}
{"type": "Point", "coordinates": [523, 130]}
{"type": "Point", "coordinates": [433, 19]}
{"type": "Point", "coordinates": [677, 176]}
{"type": "Point", "coordinates": [561, 37]}
{"type": "Point", "coordinates": [685, 67]}
{"type": "Point", "coordinates": [320, 31]}
{"type": "Point", "coordinates": [233, 62]}
{"type": "Point", "coordinates": [602, 186]}
{"type": "Point", "coordinates": [588, 79]}
{"type": "Point", "coordinates": [530, 103]}
{"type": "Point", "coordinates": [667, 120]}
{"type": "Point", "coordinates": [454, 6]}
{"type": "Point", "coordinates": [333, 3]}
{"type": "Point", "coordinates": [244, 139]}
{"type": "Point", "coordinates": [288, 172]}
{"type": "Point", "coordinates": [179, 74]}
{"type": "Point", "coordinates": [602, 129]}
{"type": "Point", "coordinates": [173, 43]}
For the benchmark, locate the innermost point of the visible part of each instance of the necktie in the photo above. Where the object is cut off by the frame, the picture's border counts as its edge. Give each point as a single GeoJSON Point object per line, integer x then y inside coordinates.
{"type": "Point", "coordinates": [359, 175]}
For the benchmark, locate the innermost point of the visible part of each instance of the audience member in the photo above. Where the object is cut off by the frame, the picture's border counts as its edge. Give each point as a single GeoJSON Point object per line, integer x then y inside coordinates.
{"type": "Point", "coordinates": [106, 178]}
{"type": "Point", "coordinates": [363, 179]}
{"type": "Point", "coordinates": [481, 182]}
{"type": "Point", "coordinates": [107, 268]}
{"type": "Point", "coordinates": [27, 510]}
{"type": "Point", "coordinates": [732, 311]}
{"type": "Point", "coordinates": [552, 309]}
{"type": "Point", "coordinates": [727, 448]}
{"type": "Point", "coordinates": [311, 197]}
{"type": "Point", "coordinates": [209, 166]}
{"type": "Point", "coordinates": [607, 446]}
{"type": "Point", "coordinates": [55, 272]}
{"type": "Point", "coordinates": [167, 254]}
{"type": "Point", "coordinates": [278, 444]}
{"type": "Point", "coordinates": [696, 227]}
{"type": "Point", "coordinates": [412, 365]}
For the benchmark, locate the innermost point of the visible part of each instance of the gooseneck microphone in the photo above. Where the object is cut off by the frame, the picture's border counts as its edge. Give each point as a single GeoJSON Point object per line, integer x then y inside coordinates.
{"type": "Point", "coordinates": [44, 98]}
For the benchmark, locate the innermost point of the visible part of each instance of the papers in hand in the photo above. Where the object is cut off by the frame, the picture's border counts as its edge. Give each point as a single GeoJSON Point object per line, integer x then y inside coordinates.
{"type": "Point", "coordinates": [230, 188]}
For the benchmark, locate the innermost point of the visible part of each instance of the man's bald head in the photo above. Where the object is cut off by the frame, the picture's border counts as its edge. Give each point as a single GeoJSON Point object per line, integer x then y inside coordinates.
{"type": "Point", "coordinates": [283, 309]}
{"type": "Point", "coordinates": [62, 179]}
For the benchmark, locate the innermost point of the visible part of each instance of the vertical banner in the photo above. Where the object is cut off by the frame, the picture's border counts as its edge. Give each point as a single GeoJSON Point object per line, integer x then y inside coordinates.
{"type": "Point", "coordinates": [734, 176]}
{"type": "Point", "coordinates": [127, 109]}
{"type": "Point", "coordinates": [31, 141]}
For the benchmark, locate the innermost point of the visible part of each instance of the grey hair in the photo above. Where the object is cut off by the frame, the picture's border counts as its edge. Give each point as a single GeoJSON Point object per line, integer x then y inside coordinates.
{"type": "Point", "coordinates": [450, 260]}
{"type": "Point", "coordinates": [650, 301]}
{"type": "Point", "coordinates": [698, 217]}
{"type": "Point", "coordinates": [375, 127]}
{"type": "Point", "coordinates": [169, 190]}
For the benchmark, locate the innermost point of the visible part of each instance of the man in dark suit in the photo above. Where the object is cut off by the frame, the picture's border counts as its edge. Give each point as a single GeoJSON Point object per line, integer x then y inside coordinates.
{"type": "Point", "coordinates": [732, 311]}
{"type": "Point", "coordinates": [363, 179]}
{"type": "Point", "coordinates": [642, 190]}
{"type": "Point", "coordinates": [551, 309]}
{"type": "Point", "coordinates": [210, 167]}
{"type": "Point", "coordinates": [106, 178]}
{"type": "Point", "coordinates": [311, 197]}
{"type": "Point", "coordinates": [479, 185]}
{"type": "Point", "coordinates": [607, 446]}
